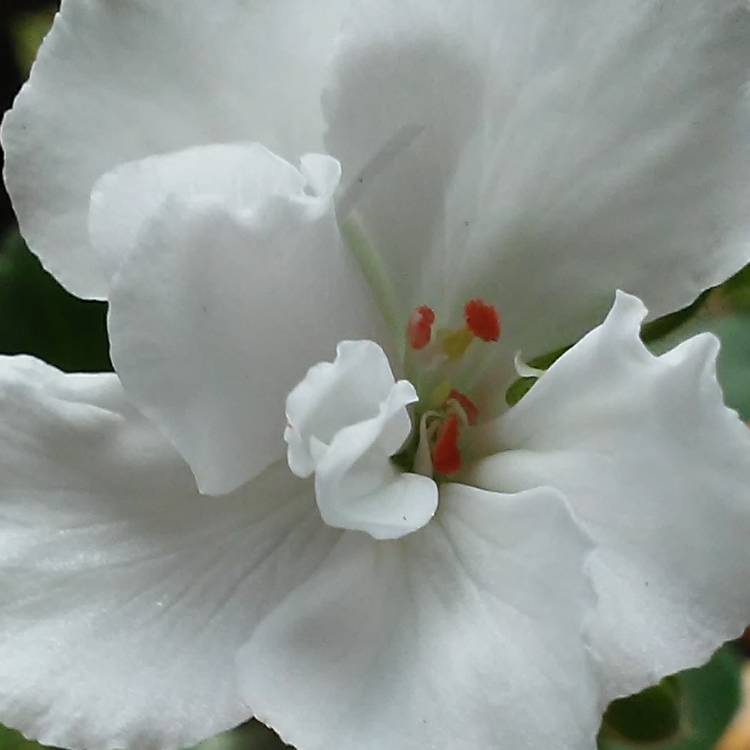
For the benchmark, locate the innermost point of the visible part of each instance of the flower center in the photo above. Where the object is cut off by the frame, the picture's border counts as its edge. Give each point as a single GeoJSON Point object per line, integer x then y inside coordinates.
{"type": "Point", "coordinates": [435, 359]}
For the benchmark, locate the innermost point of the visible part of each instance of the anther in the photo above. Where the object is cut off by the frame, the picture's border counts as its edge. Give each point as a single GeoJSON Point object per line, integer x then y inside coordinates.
{"type": "Point", "coordinates": [482, 320]}
{"type": "Point", "coordinates": [446, 456]}
{"type": "Point", "coordinates": [419, 328]}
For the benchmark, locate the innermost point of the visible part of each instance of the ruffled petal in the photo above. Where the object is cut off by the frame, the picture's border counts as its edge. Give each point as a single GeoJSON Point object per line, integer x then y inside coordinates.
{"type": "Point", "coordinates": [126, 595]}
{"type": "Point", "coordinates": [467, 634]}
{"type": "Point", "coordinates": [118, 81]}
{"type": "Point", "coordinates": [334, 395]}
{"type": "Point", "coordinates": [346, 420]}
{"type": "Point", "coordinates": [234, 282]}
{"type": "Point", "coordinates": [542, 155]}
{"type": "Point", "coordinates": [657, 471]}
{"type": "Point", "coordinates": [357, 485]}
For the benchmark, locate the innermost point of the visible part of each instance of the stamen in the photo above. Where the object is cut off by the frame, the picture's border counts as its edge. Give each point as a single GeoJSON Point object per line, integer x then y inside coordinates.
{"type": "Point", "coordinates": [448, 411]}
{"type": "Point", "coordinates": [428, 426]}
{"type": "Point", "coordinates": [419, 328]}
{"type": "Point", "coordinates": [455, 343]}
{"type": "Point", "coordinates": [446, 457]}
{"type": "Point", "coordinates": [470, 408]}
{"type": "Point", "coordinates": [482, 320]}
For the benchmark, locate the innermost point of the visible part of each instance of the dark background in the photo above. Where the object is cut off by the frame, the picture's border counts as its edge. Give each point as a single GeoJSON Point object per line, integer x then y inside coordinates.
{"type": "Point", "coordinates": [11, 76]}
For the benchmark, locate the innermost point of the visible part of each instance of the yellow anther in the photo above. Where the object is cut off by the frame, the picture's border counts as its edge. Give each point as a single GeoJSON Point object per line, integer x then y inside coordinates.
{"type": "Point", "coordinates": [455, 343]}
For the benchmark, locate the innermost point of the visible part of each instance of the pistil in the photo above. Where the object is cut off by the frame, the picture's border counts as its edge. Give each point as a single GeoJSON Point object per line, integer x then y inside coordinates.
{"type": "Point", "coordinates": [446, 455]}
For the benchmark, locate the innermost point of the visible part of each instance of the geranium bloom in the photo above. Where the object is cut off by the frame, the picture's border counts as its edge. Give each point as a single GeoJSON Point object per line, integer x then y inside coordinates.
{"type": "Point", "coordinates": [325, 232]}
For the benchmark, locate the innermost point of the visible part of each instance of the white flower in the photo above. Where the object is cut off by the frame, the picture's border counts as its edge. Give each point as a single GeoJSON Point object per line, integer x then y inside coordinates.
{"type": "Point", "coordinates": [497, 170]}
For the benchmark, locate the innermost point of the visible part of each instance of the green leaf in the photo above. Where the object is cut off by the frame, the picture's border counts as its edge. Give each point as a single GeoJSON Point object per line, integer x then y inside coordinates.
{"type": "Point", "coordinates": [661, 327]}
{"type": "Point", "coordinates": [12, 740]}
{"type": "Point", "coordinates": [250, 736]}
{"type": "Point", "coordinates": [712, 696]}
{"type": "Point", "coordinates": [689, 711]}
{"type": "Point", "coordinates": [733, 367]}
{"type": "Point", "coordinates": [653, 716]}
{"type": "Point", "coordinates": [38, 317]}
{"type": "Point", "coordinates": [28, 31]}
{"type": "Point", "coordinates": [735, 293]}
{"type": "Point", "coordinates": [518, 390]}
{"type": "Point", "coordinates": [734, 360]}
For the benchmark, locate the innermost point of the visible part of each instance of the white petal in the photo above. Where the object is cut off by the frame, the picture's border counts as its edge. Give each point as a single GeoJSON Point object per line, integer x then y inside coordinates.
{"type": "Point", "coordinates": [126, 595]}
{"type": "Point", "coordinates": [543, 154]}
{"type": "Point", "coordinates": [236, 285]}
{"type": "Point", "coordinates": [334, 395]}
{"type": "Point", "coordinates": [347, 418]}
{"type": "Point", "coordinates": [118, 81]}
{"type": "Point", "coordinates": [359, 488]}
{"type": "Point", "coordinates": [657, 471]}
{"type": "Point", "coordinates": [465, 635]}
{"type": "Point", "coordinates": [123, 200]}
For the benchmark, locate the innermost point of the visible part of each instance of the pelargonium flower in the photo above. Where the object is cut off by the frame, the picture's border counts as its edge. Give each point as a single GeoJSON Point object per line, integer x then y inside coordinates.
{"type": "Point", "coordinates": [330, 236]}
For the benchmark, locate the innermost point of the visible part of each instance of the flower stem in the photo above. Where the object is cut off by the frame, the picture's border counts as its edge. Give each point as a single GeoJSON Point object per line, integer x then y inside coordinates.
{"type": "Point", "coordinates": [372, 266]}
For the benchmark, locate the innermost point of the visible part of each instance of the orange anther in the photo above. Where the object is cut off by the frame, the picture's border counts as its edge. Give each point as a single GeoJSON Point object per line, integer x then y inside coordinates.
{"type": "Point", "coordinates": [419, 328]}
{"type": "Point", "coordinates": [469, 407]}
{"type": "Point", "coordinates": [482, 320]}
{"type": "Point", "coordinates": [446, 457]}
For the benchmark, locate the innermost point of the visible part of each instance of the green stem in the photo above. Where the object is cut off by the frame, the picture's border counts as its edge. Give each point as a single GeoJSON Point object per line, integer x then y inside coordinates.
{"type": "Point", "coordinates": [375, 273]}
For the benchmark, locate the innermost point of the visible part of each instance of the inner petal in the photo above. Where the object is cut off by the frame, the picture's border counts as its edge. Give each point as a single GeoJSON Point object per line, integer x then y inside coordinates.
{"type": "Point", "coordinates": [340, 393]}
{"type": "Point", "coordinates": [346, 420]}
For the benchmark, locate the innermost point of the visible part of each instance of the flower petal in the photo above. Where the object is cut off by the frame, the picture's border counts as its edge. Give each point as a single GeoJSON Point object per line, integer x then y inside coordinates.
{"type": "Point", "coordinates": [467, 634]}
{"type": "Point", "coordinates": [123, 200]}
{"type": "Point", "coordinates": [115, 82]}
{"type": "Point", "coordinates": [236, 284]}
{"type": "Point", "coordinates": [126, 595]}
{"type": "Point", "coordinates": [357, 485]}
{"type": "Point", "coordinates": [346, 420]}
{"type": "Point", "coordinates": [335, 395]}
{"type": "Point", "coordinates": [657, 471]}
{"type": "Point", "coordinates": [541, 155]}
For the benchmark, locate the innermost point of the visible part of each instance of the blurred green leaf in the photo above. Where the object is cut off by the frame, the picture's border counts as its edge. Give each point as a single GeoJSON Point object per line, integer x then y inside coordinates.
{"type": "Point", "coordinates": [734, 360]}
{"type": "Point", "coordinates": [712, 697]}
{"type": "Point", "coordinates": [653, 716]}
{"type": "Point", "coordinates": [12, 740]}
{"type": "Point", "coordinates": [250, 736]}
{"type": "Point", "coordinates": [518, 390]}
{"type": "Point", "coordinates": [735, 293]}
{"type": "Point", "coordinates": [703, 702]}
{"type": "Point", "coordinates": [37, 316]}
{"type": "Point", "coordinates": [665, 325]}
{"type": "Point", "coordinates": [28, 30]}
{"type": "Point", "coordinates": [733, 368]}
